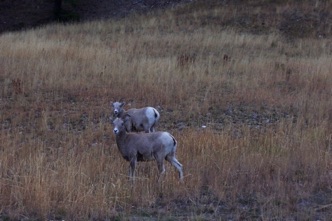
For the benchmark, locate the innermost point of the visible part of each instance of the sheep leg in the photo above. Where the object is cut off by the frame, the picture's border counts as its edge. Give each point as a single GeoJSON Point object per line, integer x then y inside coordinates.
{"type": "Point", "coordinates": [152, 129]}
{"type": "Point", "coordinates": [161, 168]}
{"type": "Point", "coordinates": [146, 129]}
{"type": "Point", "coordinates": [132, 166]}
{"type": "Point", "coordinates": [176, 164]}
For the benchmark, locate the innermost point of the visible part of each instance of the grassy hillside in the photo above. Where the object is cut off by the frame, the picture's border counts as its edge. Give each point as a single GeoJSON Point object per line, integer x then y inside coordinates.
{"type": "Point", "coordinates": [263, 93]}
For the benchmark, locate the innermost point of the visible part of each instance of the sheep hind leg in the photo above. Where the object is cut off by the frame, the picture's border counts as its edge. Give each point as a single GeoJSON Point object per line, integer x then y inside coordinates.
{"type": "Point", "coordinates": [146, 129]}
{"type": "Point", "coordinates": [161, 169]}
{"type": "Point", "coordinates": [176, 164]}
{"type": "Point", "coordinates": [152, 128]}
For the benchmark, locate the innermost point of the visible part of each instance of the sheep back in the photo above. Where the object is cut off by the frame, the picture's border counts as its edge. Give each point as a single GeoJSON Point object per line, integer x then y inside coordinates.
{"type": "Point", "coordinates": [147, 146]}
{"type": "Point", "coordinates": [141, 118]}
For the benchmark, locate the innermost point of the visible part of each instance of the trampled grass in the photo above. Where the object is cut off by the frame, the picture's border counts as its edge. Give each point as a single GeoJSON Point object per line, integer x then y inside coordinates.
{"type": "Point", "coordinates": [265, 101]}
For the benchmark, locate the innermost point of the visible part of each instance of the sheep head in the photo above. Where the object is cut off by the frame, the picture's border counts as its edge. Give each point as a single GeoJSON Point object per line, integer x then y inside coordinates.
{"type": "Point", "coordinates": [117, 108]}
{"type": "Point", "coordinates": [118, 125]}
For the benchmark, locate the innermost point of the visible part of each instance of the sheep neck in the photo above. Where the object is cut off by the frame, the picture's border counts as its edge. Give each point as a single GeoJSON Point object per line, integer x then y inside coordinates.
{"type": "Point", "coordinates": [122, 113]}
{"type": "Point", "coordinates": [120, 140]}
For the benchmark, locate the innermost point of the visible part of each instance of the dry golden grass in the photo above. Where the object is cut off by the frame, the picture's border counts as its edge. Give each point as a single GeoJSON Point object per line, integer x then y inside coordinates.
{"type": "Point", "coordinates": [266, 101]}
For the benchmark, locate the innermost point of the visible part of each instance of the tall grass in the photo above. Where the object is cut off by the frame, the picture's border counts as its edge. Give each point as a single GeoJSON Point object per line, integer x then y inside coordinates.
{"type": "Point", "coordinates": [58, 155]}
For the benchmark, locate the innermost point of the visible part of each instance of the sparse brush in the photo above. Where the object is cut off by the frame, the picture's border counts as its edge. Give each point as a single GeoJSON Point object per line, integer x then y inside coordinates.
{"type": "Point", "coordinates": [251, 113]}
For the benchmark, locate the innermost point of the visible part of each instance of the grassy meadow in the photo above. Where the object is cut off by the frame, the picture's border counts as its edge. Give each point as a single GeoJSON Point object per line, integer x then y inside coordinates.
{"type": "Point", "coordinates": [252, 113]}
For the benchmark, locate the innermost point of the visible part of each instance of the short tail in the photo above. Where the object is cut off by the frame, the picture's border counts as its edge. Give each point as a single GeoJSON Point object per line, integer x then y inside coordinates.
{"type": "Point", "coordinates": [156, 114]}
{"type": "Point", "coordinates": [174, 141]}
{"type": "Point", "coordinates": [156, 117]}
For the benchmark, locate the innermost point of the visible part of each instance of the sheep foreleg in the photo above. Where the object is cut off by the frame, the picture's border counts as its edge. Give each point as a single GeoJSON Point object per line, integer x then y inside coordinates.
{"type": "Point", "coordinates": [132, 167]}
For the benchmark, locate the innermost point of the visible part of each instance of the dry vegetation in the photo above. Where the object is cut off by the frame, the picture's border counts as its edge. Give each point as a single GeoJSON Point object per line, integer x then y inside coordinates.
{"type": "Point", "coordinates": [264, 98]}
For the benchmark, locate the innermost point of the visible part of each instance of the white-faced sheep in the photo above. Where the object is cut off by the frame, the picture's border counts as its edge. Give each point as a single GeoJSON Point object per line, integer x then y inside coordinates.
{"type": "Point", "coordinates": [143, 119]}
{"type": "Point", "coordinates": [136, 147]}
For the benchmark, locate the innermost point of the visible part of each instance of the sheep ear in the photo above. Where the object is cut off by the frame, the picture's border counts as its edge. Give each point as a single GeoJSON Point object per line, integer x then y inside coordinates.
{"type": "Point", "coordinates": [122, 104]}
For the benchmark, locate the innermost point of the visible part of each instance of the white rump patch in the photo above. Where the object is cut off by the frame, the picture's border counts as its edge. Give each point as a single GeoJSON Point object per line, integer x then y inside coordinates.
{"type": "Point", "coordinates": [150, 114]}
{"type": "Point", "coordinates": [167, 140]}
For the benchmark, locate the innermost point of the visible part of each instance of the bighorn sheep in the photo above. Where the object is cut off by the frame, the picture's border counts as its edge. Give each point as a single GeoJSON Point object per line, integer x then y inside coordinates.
{"type": "Point", "coordinates": [146, 147]}
{"type": "Point", "coordinates": [143, 119]}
